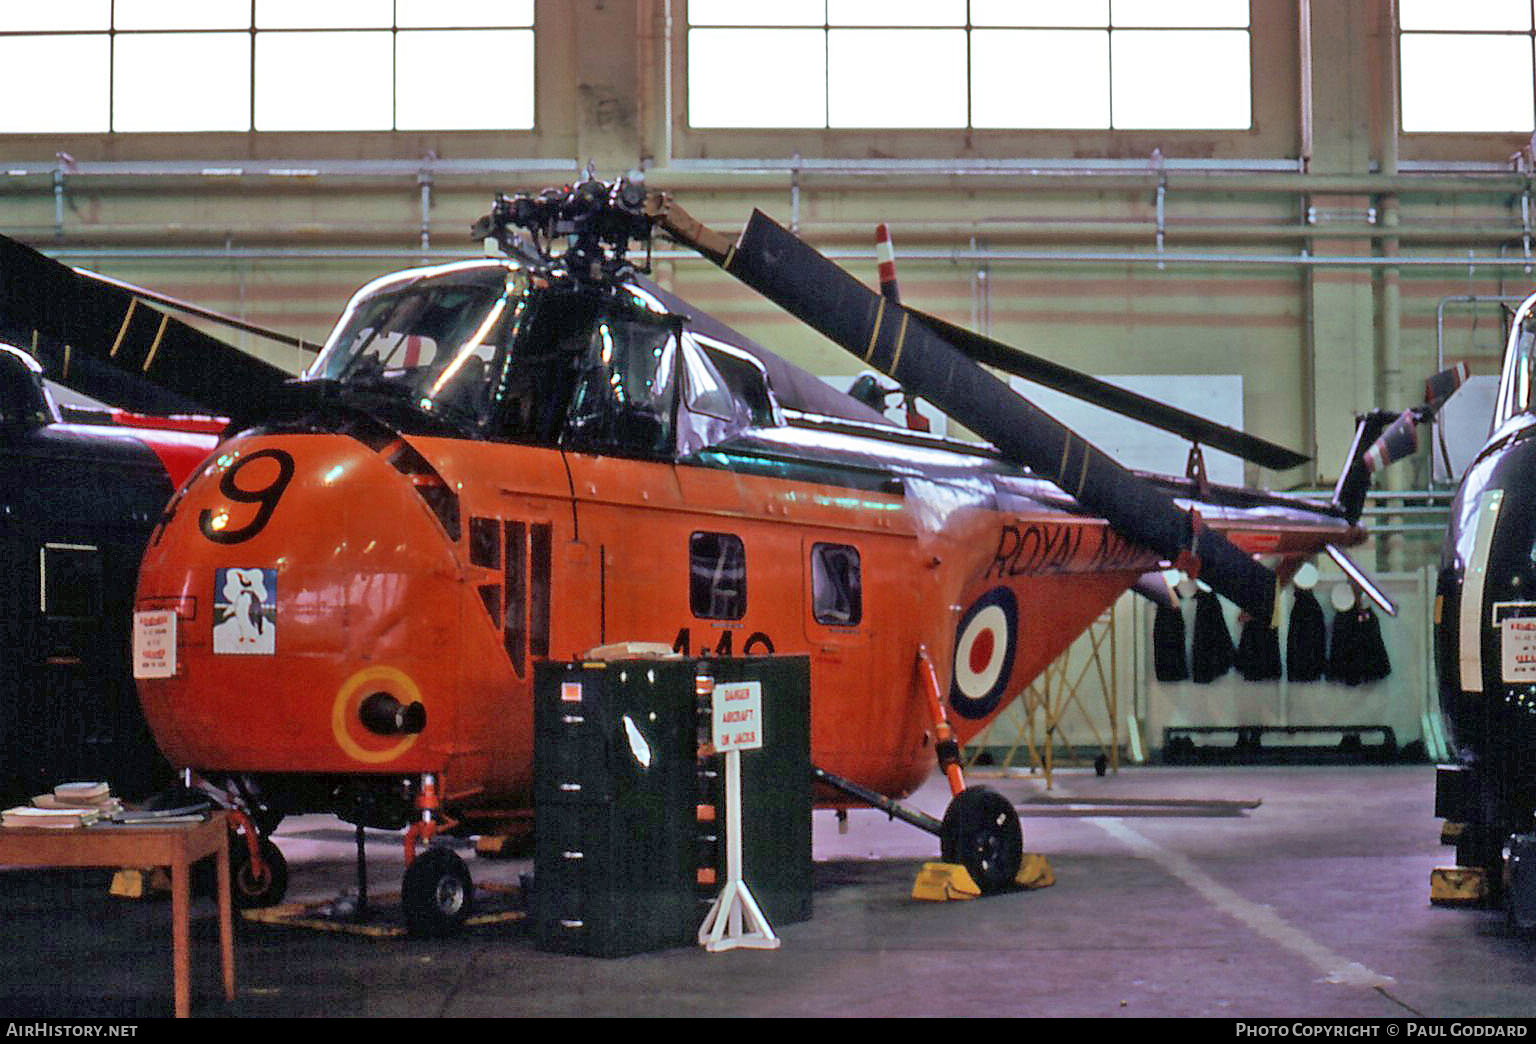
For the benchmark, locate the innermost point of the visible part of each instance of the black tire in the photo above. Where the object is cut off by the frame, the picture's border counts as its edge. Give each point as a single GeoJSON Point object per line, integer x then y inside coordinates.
{"type": "Point", "coordinates": [249, 890]}
{"type": "Point", "coordinates": [437, 895]}
{"type": "Point", "coordinates": [981, 832]}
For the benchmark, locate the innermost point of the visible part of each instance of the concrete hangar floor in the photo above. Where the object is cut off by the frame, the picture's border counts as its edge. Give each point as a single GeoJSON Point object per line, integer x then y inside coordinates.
{"type": "Point", "coordinates": [1313, 903]}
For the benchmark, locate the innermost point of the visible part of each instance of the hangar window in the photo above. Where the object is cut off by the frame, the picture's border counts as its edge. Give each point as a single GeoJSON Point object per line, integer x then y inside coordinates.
{"type": "Point", "coordinates": [271, 65]}
{"type": "Point", "coordinates": [1466, 67]}
{"type": "Point", "coordinates": [1019, 64]}
{"type": "Point", "coordinates": [717, 576]}
{"type": "Point", "coordinates": [837, 596]}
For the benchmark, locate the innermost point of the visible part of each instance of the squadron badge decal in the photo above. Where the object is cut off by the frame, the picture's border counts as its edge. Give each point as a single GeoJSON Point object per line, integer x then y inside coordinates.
{"type": "Point", "coordinates": [245, 612]}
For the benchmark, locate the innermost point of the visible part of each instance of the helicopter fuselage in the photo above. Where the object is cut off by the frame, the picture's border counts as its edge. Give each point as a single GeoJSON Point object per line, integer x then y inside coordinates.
{"type": "Point", "coordinates": [1485, 623]}
{"type": "Point", "coordinates": [362, 586]}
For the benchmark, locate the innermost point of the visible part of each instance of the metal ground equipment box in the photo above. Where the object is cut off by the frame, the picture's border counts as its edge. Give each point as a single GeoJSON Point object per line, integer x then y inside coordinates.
{"type": "Point", "coordinates": [618, 786]}
{"type": "Point", "coordinates": [775, 791]}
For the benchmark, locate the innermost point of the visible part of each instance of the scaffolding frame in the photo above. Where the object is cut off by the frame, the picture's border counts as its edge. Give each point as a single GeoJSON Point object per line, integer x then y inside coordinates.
{"type": "Point", "coordinates": [1046, 702]}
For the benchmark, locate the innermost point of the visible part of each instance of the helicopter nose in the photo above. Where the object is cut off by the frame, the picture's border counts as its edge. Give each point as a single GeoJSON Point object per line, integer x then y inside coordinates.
{"type": "Point", "coordinates": [354, 544]}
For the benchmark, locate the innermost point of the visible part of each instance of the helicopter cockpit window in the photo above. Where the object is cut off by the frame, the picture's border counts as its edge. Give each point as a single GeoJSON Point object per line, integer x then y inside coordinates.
{"type": "Point", "coordinates": [435, 343]}
{"type": "Point", "coordinates": [746, 381]}
{"type": "Point", "coordinates": [625, 398]}
{"type": "Point", "coordinates": [707, 391]}
{"type": "Point", "coordinates": [718, 395]}
{"type": "Point", "coordinates": [1515, 388]}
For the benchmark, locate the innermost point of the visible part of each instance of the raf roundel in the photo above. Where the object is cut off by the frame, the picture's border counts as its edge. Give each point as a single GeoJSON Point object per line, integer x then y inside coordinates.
{"type": "Point", "coordinates": [985, 643]}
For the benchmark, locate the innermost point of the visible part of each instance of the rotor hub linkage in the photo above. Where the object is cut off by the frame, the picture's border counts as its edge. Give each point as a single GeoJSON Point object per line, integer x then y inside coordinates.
{"type": "Point", "coordinates": [595, 220]}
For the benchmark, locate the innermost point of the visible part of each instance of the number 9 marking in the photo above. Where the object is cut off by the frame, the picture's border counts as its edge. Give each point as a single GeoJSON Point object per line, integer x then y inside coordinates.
{"type": "Point", "coordinates": [267, 497]}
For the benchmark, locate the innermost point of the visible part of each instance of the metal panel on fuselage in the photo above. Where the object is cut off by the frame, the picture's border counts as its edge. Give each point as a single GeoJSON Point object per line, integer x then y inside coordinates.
{"type": "Point", "coordinates": [526, 493]}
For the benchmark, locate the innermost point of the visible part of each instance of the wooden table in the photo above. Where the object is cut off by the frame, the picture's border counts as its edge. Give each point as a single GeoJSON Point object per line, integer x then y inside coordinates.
{"type": "Point", "coordinates": [177, 846]}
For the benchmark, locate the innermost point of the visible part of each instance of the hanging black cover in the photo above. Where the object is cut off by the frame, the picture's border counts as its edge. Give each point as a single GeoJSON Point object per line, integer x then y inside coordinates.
{"type": "Point", "coordinates": [1211, 655]}
{"type": "Point", "coordinates": [1258, 652]}
{"type": "Point", "coordinates": [1306, 639]}
{"type": "Point", "coordinates": [1344, 649]}
{"type": "Point", "coordinates": [1370, 658]}
{"type": "Point", "coordinates": [1169, 662]}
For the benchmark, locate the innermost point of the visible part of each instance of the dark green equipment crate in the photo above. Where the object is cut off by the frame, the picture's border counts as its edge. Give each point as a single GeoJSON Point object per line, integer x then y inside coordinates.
{"type": "Point", "coordinates": [617, 786]}
{"type": "Point", "coordinates": [775, 790]}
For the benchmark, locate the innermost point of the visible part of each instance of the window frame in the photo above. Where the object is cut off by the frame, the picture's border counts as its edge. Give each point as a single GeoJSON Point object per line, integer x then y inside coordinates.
{"type": "Point", "coordinates": [854, 596]}
{"type": "Point", "coordinates": [255, 30]}
{"type": "Point", "coordinates": [91, 600]}
{"type": "Point", "coordinates": [682, 83]}
{"type": "Point", "coordinates": [1400, 34]}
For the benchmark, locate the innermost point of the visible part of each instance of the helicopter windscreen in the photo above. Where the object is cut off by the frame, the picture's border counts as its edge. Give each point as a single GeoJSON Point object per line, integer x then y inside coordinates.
{"type": "Point", "coordinates": [436, 344]}
{"type": "Point", "coordinates": [499, 360]}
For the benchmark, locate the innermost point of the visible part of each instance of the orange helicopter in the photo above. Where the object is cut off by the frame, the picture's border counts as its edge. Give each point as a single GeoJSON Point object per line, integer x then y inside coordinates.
{"type": "Point", "coordinates": [501, 461]}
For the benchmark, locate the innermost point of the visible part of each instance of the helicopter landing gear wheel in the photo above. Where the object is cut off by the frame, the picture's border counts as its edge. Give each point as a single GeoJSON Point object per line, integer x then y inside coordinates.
{"type": "Point", "coordinates": [437, 894]}
{"type": "Point", "coordinates": [250, 887]}
{"type": "Point", "coordinates": [981, 832]}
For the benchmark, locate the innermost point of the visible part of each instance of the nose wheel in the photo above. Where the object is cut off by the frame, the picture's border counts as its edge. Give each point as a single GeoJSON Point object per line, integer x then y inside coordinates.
{"type": "Point", "coordinates": [981, 832]}
{"type": "Point", "coordinates": [437, 894]}
{"type": "Point", "coordinates": [256, 883]}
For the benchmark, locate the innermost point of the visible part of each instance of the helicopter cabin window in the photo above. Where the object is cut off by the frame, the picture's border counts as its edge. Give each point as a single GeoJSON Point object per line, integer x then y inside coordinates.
{"type": "Point", "coordinates": [70, 581]}
{"type": "Point", "coordinates": [717, 576]}
{"type": "Point", "coordinates": [724, 396]}
{"type": "Point", "coordinates": [837, 598]}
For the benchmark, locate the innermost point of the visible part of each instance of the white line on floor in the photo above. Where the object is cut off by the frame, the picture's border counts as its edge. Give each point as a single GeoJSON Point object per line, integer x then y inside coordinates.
{"type": "Point", "coordinates": [1335, 968]}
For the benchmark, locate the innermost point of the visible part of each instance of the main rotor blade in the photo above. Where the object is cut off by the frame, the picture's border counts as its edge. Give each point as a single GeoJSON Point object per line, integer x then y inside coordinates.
{"type": "Point", "coordinates": [1127, 403]}
{"type": "Point", "coordinates": [177, 305]}
{"type": "Point", "coordinates": [107, 327]}
{"type": "Point", "coordinates": [790, 273]}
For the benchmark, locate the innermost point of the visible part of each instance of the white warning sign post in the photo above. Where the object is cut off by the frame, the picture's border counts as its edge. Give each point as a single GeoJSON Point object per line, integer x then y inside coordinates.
{"type": "Point", "coordinates": [735, 920]}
